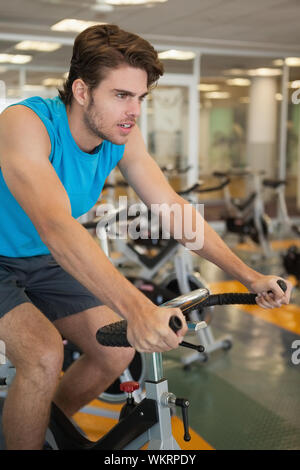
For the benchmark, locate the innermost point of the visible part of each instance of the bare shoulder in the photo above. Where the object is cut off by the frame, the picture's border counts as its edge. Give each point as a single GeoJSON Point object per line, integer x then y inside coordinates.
{"type": "Point", "coordinates": [22, 129]}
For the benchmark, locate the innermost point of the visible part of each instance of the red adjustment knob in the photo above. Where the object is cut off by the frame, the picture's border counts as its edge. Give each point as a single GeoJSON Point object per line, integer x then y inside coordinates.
{"type": "Point", "coordinates": [129, 387]}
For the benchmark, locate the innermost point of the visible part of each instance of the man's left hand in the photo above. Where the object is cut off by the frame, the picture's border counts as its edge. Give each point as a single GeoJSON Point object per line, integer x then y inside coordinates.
{"type": "Point", "coordinates": [269, 293]}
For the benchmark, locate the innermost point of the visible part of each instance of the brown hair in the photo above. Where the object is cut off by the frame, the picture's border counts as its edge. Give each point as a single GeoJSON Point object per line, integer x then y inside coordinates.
{"type": "Point", "coordinates": [103, 47]}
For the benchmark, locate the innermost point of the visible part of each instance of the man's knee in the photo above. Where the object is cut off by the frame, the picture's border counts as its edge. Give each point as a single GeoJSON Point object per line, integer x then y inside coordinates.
{"type": "Point", "coordinates": [33, 344]}
{"type": "Point", "coordinates": [48, 358]}
{"type": "Point", "coordinates": [40, 361]}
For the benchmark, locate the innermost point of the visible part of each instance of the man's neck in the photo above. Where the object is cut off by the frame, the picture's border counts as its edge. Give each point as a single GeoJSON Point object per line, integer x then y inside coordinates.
{"type": "Point", "coordinates": [86, 141]}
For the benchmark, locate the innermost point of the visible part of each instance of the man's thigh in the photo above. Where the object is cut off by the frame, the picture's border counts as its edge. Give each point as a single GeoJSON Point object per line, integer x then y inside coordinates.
{"type": "Point", "coordinates": [40, 280]}
{"type": "Point", "coordinates": [12, 279]}
{"type": "Point", "coordinates": [82, 327]}
{"type": "Point", "coordinates": [55, 292]}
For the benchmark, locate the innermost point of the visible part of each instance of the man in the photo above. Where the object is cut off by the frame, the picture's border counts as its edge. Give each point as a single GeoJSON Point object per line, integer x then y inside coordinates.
{"type": "Point", "coordinates": [54, 278]}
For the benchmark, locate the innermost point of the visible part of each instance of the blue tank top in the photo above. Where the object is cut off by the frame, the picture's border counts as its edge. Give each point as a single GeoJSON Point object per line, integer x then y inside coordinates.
{"type": "Point", "coordinates": [82, 175]}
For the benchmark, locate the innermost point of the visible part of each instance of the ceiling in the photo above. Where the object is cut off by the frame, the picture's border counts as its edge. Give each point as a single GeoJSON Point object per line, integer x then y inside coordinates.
{"type": "Point", "coordinates": [250, 34]}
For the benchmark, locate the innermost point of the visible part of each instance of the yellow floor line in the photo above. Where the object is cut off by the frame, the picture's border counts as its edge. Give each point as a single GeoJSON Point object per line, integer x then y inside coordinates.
{"type": "Point", "coordinates": [96, 426]}
{"type": "Point", "coordinates": [276, 245]}
{"type": "Point", "coordinates": [196, 442]}
{"type": "Point", "coordinates": [287, 316]}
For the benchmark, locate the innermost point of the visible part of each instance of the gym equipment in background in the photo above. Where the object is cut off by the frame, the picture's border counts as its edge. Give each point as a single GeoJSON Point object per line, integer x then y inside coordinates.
{"type": "Point", "coordinates": [291, 262]}
{"type": "Point", "coordinates": [285, 225]}
{"type": "Point", "coordinates": [246, 217]}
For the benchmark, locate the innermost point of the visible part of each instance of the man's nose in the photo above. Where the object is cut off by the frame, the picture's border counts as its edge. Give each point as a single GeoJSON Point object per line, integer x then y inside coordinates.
{"type": "Point", "coordinates": [134, 109]}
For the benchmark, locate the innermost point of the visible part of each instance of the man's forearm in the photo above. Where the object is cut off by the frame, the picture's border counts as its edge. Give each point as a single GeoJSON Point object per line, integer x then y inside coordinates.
{"type": "Point", "coordinates": [216, 251]}
{"type": "Point", "coordinates": [212, 246]}
{"type": "Point", "coordinates": [76, 251]}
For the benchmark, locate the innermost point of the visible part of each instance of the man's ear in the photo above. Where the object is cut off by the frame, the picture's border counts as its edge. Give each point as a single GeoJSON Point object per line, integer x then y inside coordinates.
{"type": "Point", "coordinates": [80, 91]}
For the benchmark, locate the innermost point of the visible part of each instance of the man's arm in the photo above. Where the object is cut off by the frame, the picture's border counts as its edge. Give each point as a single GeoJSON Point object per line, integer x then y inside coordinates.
{"type": "Point", "coordinates": [144, 175]}
{"type": "Point", "coordinates": [24, 160]}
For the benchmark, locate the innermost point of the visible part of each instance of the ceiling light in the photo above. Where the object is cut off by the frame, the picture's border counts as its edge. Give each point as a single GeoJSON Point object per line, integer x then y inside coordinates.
{"type": "Point", "coordinates": [176, 55]}
{"type": "Point", "coordinates": [264, 72]}
{"type": "Point", "coordinates": [278, 62]}
{"type": "Point", "coordinates": [12, 91]}
{"type": "Point", "coordinates": [207, 87]}
{"type": "Point", "coordinates": [37, 46]}
{"type": "Point", "coordinates": [102, 6]}
{"type": "Point", "coordinates": [217, 95]}
{"type": "Point", "coordinates": [293, 61]}
{"type": "Point", "coordinates": [238, 82]}
{"type": "Point", "coordinates": [295, 84]}
{"type": "Point", "coordinates": [53, 82]}
{"type": "Point", "coordinates": [133, 2]}
{"type": "Point", "coordinates": [72, 25]}
{"type": "Point", "coordinates": [34, 88]}
{"type": "Point", "coordinates": [235, 72]}
{"type": "Point", "coordinates": [15, 59]}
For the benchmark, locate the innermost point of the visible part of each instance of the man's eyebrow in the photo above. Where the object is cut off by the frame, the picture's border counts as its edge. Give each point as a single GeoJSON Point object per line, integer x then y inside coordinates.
{"type": "Point", "coordinates": [129, 93]}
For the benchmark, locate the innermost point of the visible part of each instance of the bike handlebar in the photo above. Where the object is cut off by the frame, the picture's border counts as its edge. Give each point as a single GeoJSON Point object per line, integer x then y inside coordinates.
{"type": "Point", "coordinates": [197, 187]}
{"type": "Point", "coordinates": [109, 218]}
{"type": "Point", "coordinates": [164, 169]}
{"type": "Point", "coordinates": [118, 184]}
{"type": "Point", "coordinates": [239, 172]}
{"type": "Point", "coordinates": [115, 334]}
{"type": "Point", "coordinates": [174, 169]}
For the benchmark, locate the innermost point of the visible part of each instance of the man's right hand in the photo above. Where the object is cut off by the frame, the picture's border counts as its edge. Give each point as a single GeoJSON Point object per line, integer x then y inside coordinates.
{"type": "Point", "coordinates": [152, 333]}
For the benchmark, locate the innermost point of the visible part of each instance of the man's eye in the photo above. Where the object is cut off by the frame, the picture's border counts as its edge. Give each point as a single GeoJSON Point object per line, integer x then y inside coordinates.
{"type": "Point", "coordinates": [121, 95]}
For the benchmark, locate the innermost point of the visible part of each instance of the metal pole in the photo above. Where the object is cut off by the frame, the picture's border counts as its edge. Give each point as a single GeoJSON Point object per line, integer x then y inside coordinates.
{"type": "Point", "coordinates": [193, 156]}
{"type": "Point", "coordinates": [283, 123]}
{"type": "Point", "coordinates": [22, 81]}
{"type": "Point", "coordinates": [144, 122]}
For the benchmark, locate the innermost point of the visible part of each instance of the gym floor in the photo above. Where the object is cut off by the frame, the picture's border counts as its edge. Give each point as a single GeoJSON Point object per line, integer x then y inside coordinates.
{"type": "Point", "coordinates": [246, 398]}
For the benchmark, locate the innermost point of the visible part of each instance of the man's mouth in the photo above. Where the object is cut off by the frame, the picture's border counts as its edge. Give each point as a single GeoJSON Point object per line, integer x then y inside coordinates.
{"type": "Point", "coordinates": [128, 125]}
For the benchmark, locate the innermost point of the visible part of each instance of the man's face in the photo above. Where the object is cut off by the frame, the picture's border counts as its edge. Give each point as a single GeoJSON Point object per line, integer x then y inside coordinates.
{"type": "Point", "coordinates": [114, 105]}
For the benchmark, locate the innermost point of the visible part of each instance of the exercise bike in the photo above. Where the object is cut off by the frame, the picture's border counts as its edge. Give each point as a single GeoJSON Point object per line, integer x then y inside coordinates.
{"type": "Point", "coordinates": [285, 225]}
{"type": "Point", "coordinates": [246, 218]}
{"type": "Point", "coordinates": [150, 420]}
{"type": "Point", "coordinates": [291, 262]}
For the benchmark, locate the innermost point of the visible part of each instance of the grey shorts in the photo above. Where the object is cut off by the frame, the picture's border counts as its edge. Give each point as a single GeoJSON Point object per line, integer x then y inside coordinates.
{"type": "Point", "coordinates": [42, 282]}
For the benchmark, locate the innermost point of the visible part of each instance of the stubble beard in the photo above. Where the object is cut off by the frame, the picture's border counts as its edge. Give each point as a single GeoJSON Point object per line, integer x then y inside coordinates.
{"type": "Point", "coordinates": [93, 122]}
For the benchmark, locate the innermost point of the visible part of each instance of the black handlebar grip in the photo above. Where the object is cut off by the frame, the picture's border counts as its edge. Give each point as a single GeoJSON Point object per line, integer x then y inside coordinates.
{"type": "Point", "coordinates": [175, 323]}
{"type": "Point", "coordinates": [220, 173]}
{"type": "Point", "coordinates": [91, 224]}
{"type": "Point", "coordinates": [115, 334]}
{"type": "Point", "coordinates": [282, 285]}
